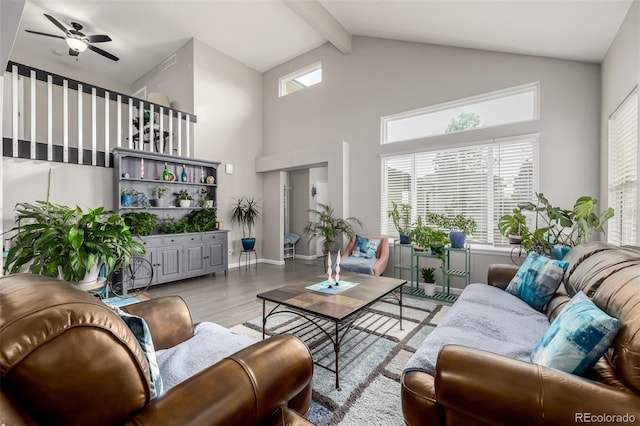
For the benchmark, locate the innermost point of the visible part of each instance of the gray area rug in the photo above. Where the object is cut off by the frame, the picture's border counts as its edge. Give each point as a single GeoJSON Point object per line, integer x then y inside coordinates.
{"type": "Point", "coordinates": [370, 386]}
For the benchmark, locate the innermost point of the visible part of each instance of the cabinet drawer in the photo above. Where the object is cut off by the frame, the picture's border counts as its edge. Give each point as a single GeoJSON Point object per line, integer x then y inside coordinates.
{"type": "Point", "coordinates": [181, 239]}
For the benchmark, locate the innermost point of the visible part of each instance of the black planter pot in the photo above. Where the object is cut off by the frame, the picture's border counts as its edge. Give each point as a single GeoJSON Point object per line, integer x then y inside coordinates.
{"type": "Point", "coordinates": [404, 239]}
{"type": "Point", "coordinates": [248, 243]}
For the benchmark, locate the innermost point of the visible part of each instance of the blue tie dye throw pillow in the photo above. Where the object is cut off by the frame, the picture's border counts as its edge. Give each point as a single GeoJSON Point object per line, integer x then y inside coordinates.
{"type": "Point", "coordinates": [365, 247]}
{"type": "Point", "coordinates": [537, 280]}
{"type": "Point", "coordinates": [577, 338]}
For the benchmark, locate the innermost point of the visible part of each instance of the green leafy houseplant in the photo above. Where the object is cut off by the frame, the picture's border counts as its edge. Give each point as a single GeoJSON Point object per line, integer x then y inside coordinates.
{"type": "Point", "coordinates": [245, 212]}
{"type": "Point", "coordinates": [196, 221]}
{"type": "Point", "coordinates": [206, 199]}
{"type": "Point", "coordinates": [400, 214]}
{"type": "Point", "coordinates": [141, 223]}
{"type": "Point", "coordinates": [55, 240]}
{"type": "Point", "coordinates": [328, 227]}
{"type": "Point", "coordinates": [428, 275]}
{"type": "Point", "coordinates": [458, 226]}
{"type": "Point", "coordinates": [514, 226]}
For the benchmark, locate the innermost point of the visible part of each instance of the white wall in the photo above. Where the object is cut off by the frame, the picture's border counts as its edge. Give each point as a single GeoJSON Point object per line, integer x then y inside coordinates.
{"type": "Point", "coordinates": [620, 74]}
{"type": "Point", "coordinates": [228, 104]}
{"type": "Point", "coordinates": [383, 77]}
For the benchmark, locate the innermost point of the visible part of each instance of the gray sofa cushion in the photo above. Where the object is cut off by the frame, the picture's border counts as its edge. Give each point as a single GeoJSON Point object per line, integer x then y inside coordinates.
{"type": "Point", "coordinates": [359, 265]}
{"type": "Point", "coordinates": [483, 317]}
{"type": "Point", "coordinates": [209, 344]}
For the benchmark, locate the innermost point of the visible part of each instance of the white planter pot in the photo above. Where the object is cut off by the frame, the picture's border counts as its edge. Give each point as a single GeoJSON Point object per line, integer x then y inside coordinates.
{"type": "Point", "coordinates": [429, 289]}
{"type": "Point", "coordinates": [90, 278]}
{"type": "Point", "coordinates": [185, 203]}
{"type": "Point", "coordinates": [161, 202]}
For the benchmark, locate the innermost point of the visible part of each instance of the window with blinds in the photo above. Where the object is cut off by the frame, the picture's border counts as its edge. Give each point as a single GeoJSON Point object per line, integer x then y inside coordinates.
{"type": "Point", "coordinates": [623, 172]}
{"type": "Point", "coordinates": [484, 181]}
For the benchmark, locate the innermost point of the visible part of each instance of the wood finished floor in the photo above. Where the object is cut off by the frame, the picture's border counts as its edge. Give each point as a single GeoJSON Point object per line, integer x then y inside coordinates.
{"type": "Point", "coordinates": [231, 300]}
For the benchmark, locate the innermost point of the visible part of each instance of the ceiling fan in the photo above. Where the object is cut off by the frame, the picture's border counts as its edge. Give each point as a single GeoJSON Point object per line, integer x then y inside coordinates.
{"type": "Point", "coordinates": [76, 40]}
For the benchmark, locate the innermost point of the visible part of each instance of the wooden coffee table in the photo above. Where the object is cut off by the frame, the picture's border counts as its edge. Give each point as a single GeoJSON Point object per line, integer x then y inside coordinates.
{"type": "Point", "coordinates": [333, 317]}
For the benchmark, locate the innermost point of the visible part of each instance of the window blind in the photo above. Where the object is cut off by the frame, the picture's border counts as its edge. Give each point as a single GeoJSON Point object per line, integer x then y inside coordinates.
{"type": "Point", "coordinates": [623, 172]}
{"type": "Point", "coordinates": [483, 181]}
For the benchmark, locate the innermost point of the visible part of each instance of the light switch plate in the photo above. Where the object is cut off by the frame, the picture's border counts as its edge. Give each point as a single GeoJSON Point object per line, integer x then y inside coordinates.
{"type": "Point", "coordinates": [228, 168]}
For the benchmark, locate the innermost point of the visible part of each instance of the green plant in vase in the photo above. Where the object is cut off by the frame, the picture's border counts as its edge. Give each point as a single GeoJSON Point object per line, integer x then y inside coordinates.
{"type": "Point", "coordinates": [159, 192]}
{"type": "Point", "coordinates": [245, 212]}
{"type": "Point", "coordinates": [206, 199]}
{"type": "Point", "coordinates": [184, 198]}
{"type": "Point", "coordinates": [400, 214]}
{"type": "Point", "coordinates": [429, 279]}
{"type": "Point", "coordinates": [68, 243]}
{"type": "Point", "coordinates": [328, 227]}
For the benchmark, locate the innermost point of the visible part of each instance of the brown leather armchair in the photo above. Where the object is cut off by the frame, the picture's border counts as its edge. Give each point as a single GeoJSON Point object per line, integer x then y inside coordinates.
{"type": "Point", "coordinates": [66, 358]}
{"type": "Point", "coordinates": [382, 253]}
{"type": "Point", "coordinates": [474, 387]}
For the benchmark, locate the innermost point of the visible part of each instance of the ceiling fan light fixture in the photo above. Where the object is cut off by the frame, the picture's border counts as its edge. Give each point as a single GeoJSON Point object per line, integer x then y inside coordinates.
{"type": "Point", "coordinates": [76, 44]}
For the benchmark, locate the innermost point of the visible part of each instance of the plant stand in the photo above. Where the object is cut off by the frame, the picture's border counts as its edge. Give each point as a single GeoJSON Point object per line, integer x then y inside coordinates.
{"type": "Point", "coordinates": [247, 257]}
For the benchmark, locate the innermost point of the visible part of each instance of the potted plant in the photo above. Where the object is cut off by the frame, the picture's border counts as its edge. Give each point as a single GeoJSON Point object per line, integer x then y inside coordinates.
{"type": "Point", "coordinates": [65, 242]}
{"type": "Point", "coordinates": [420, 235]}
{"type": "Point", "coordinates": [245, 212]}
{"type": "Point", "coordinates": [429, 278]}
{"type": "Point", "coordinates": [327, 226]}
{"type": "Point", "coordinates": [438, 239]}
{"type": "Point", "coordinates": [159, 192]}
{"type": "Point", "coordinates": [513, 226]}
{"type": "Point", "coordinates": [184, 198]}
{"type": "Point", "coordinates": [206, 200]}
{"type": "Point", "coordinates": [400, 214]}
{"type": "Point", "coordinates": [461, 227]}
{"type": "Point", "coordinates": [141, 223]}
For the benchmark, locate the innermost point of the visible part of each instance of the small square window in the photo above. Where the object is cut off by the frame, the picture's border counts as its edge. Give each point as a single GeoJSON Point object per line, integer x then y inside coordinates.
{"type": "Point", "coordinates": [301, 79]}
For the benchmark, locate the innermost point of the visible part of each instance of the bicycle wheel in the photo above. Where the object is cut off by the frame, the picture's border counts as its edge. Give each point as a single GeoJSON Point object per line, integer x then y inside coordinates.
{"type": "Point", "coordinates": [132, 279]}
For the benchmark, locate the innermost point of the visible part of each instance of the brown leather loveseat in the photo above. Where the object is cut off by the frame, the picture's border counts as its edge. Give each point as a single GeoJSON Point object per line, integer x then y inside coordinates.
{"type": "Point", "coordinates": [474, 387]}
{"type": "Point", "coordinates": [66, 358]}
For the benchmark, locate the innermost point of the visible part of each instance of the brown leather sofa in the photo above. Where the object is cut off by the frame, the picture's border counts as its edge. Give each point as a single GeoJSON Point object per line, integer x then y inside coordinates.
{"type": "Point", "coordinates": [66, 358]}
{"type": "Point", "coordinates": [474, 387]}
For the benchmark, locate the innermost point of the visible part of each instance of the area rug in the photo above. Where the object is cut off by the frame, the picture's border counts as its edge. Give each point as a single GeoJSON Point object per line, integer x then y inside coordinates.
{"type": "Point", "coordinates": [370, 387]}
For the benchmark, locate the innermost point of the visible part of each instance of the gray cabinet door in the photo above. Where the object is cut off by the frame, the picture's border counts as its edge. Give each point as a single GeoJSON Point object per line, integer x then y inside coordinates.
{"type": "Point", "coordinates": [170, 260]}
{"type": "Point", "coordinates": [194, 259]}
{"type": "Point", "coordinates": [216, 255]}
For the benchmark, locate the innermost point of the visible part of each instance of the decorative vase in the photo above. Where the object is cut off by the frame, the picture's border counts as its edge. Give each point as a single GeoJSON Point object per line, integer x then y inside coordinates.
{"type": "Point", "coordinates": [457, 239]}
{"type": "Point", "coordinates": [404, 238]}
{"type": "Point", "coordinates": [248, 243]}
{"type": "Point", "coordinates": [185, 203]}
{"type": "Point", "coordinates": [125, 200]}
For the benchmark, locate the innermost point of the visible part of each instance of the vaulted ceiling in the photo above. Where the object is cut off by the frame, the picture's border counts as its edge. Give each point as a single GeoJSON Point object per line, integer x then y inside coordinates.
{"type": "Point", "coordinates": [265, 33]}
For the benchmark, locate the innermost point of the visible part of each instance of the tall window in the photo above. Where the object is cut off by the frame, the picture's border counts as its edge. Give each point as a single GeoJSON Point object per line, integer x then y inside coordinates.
{"type": "Point", "coordinates": [506, 106]}
{"type": "Point", "coordinates": [484, 181]}
{"type": "Point", "coordinates": [623, 171]}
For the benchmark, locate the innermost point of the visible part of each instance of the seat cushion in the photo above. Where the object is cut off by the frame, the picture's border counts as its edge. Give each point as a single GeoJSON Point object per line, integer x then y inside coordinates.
{"type": "Point", "coordinates": [358, 265]}
{"type": "Point", "coordinates": [487, 318]}
{"type": "Point", "coordinates": [210, 343]}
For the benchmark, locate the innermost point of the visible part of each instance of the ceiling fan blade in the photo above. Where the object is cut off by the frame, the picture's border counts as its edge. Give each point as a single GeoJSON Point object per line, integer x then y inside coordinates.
{"type": "Point", "coordinates": [73, 52]}
{"type": "Point", "coordinates": [100, 38]}
{"type": "Point", "coordinates": [56, 23]}
{"type": "Point", "coordinates": [44, 34]}
{"type": "Point", "coordinates": [103, 53]}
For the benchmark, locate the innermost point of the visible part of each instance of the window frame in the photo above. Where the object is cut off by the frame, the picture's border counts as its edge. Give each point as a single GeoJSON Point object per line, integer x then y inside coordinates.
{"type": "Point", "coordinates": [497, 94]}
{"type": "Point", "coordinates": [282, 81]}
{"type": "Point", "coordinates": [492, 205]}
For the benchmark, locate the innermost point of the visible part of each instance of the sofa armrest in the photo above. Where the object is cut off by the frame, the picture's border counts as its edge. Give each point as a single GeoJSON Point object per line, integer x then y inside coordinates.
{"type": "Point", "coordinates": [243, 389]}
{"type": "Point", "coordinates": [499, 275]}
{"type": "Point", "coordinates": [493, 389]}
{"type": "Point", "coordinates": [381, 264]}
{"type": "Point", "coordinates": [168, 318]}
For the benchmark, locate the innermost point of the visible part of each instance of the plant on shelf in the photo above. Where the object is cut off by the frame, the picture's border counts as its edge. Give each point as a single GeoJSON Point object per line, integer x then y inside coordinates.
{"type": "Point", "coordinates": [158, 193]}
{"type": "Point", "coordinates": [400, 214]}
{"type": "Point", "coordinates": [328, 227]}
{"type": "Point", "coordinates": [125, 197]}
{"type": "Point", "coordinates": [459, 226]}
{"type": "Point", "coordinates": [429, 279]}
{"type": "Point", "coordinates": [206, 199]}
{"type": "Point", "coordinates": [141, 223]}
{"type": "Point", "coordinates": [427, 237]}
{"type": "Point", "coordinates": [68, 243]}
{"type": "Point", "coordinates": [196, 221]}
{"type": "Point", "coordinates": [184, 198]}
{"type": "Point", "coordinates": [245, 212]}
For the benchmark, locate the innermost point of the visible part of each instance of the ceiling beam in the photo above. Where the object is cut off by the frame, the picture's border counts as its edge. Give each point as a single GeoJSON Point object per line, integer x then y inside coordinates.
{"type": "Point", "coordinates": [322, 21]}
